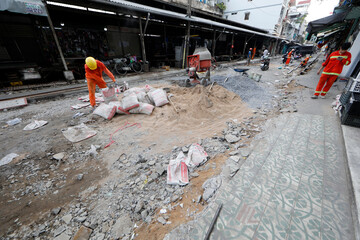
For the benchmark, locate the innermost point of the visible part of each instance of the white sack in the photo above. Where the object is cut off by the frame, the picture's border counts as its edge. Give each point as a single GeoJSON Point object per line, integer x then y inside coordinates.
{"type": "Point", "coordinates": [177, 171]}
{"type": "Point", "coordinates": [143, 108]}
{"type": "Point", "coordinates": [130, 102]}
{"type": "Point", "coordinates": [108, 94]}
{"type": "Point", "coordinates": [196, 155]}
{"type": "Point", "coordinates": [106, 111]}
{"type": "Point", "coordinates": [159, 97]}
{"type": "Point", "coordinates": [118, 105]}
{"type": "Point", "coordinates": [134, 90]}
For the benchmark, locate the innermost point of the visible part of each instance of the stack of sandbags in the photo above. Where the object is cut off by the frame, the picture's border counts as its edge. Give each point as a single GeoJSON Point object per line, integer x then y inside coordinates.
{"type": "Point", "coordinates": [137, 100]}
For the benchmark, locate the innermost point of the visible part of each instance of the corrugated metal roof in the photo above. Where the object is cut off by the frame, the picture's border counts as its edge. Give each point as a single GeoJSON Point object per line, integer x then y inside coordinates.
{"type": "Point", "coordinates": [143, 8]}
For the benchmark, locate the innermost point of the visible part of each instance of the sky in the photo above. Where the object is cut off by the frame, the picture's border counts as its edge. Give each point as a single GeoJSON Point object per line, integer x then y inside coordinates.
{"type": "Point", "coordinates": [319, 9]}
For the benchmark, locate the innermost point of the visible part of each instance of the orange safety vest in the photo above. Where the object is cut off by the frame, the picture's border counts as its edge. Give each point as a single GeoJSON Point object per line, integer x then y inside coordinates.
{"type": "Point", "coordinates": [333, 66]}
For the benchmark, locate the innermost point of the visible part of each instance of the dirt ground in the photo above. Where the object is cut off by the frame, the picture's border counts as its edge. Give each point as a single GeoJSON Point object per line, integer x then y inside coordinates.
{"type": "Point", "coordinates": [35, 183]}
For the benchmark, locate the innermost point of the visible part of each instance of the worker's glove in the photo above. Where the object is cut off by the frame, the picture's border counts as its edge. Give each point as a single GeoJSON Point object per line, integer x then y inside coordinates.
{"type": "Point", "coordinates": [111, 85]}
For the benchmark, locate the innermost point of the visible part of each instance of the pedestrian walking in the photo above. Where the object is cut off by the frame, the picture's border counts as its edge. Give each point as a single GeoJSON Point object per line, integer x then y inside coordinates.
{"type": "Point", "coordinates": [93, 73]}
{"type": "Point", "coordinates": [333, 66]}
{"type": "Point", "coordinates": [249, 56]}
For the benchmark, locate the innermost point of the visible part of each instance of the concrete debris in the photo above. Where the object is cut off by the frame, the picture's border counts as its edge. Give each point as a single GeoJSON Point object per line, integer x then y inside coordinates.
{"type": "Point", "coordinates": [80, 176]}
{"type": "Point", "coordinates": [83, 233]}
{"type": "Point", "coordinates": [55, 211]}
{"type": "Point", "coordinates": [122, 227]}
{"type": "Point", "coordinates": [245, 152]}
{"type": "Point", "coordinates": [59, 156]}
{"type": "Point", "coordinates": [67, 218]}
{"type": "Point", "coordinates": [161, 220]}
{"type": "Point", "coordinates": [63, 236]}
{"type": "Point", "coordinates": [59, 230]}
{"type": "Point", "coordinates": [235, 158]}
{"type": "Point", "coordinates": [210, 186]}
{"type": "Point", "coordinates": [231, 138]}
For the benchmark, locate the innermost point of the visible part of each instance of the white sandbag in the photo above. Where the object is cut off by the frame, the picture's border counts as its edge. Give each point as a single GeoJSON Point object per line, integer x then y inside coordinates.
{"type": "Point", "coordinates": [143, 108]}
{"type": "Point", "coordinates": [109, 94]}
{"type": "Point", "coordinates": [146, 108]}
{"type": "Point", "coordinates": [141, 97]}
{"type": "Point", "coordinates": [130, 102]}
{"type": "Point", "coordinates": [196, 155]}
{"type": "Point", "coordinates": [159, 97]}
{"type": "Point", "coordinates": [118, 105]}
{"type": "Point", "coordinates": [106, 111]}
{"type": "Point", "coordinates": [134, 90]}
{"type": "Point", "coordinates": [148, 88]}
{"type": "Point", "coordinates": [177, 171]}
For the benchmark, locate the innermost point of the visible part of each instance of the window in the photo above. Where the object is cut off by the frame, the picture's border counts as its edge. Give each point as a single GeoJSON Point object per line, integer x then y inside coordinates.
{"type": "Point", "coordinates": [247, 15]}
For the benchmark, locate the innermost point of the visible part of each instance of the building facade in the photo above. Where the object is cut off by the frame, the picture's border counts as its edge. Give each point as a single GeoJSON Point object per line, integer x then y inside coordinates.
{"type": "Point", "coordinates": [264, 14]}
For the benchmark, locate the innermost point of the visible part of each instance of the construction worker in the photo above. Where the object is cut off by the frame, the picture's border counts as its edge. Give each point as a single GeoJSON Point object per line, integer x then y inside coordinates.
{"type": "Point", "coordinates": [249, 56]}
{"type": "Point", "coordinates": [332, 68]}
{"type": "Point", "coordinates": [289, 57]}
{"type": "Point", "coordinates": [305, 61]}
{"type": "Point", "coordinates": [93, 73]}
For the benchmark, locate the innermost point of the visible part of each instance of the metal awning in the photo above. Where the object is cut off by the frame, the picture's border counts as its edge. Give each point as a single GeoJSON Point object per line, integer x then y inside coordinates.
{"type": "Point", "coordinates": [33, 7]}
{"type": "Point", "coordinates": [147, 9]}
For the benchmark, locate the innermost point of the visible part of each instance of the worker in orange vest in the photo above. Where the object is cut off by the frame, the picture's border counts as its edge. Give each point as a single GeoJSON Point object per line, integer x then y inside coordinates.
{"type": "Point", "coordinates": [305, 61]}
{"type": "Point", "coordinates": [289, 57]}
{"type": "Point", "coordinates": [93, 73]}
{"type": "Point", "coordinates": [333, 66]}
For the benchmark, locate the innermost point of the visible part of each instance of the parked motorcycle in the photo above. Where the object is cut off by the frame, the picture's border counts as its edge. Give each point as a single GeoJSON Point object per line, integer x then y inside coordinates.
{"type": "Point", "coordinates": [265, 62]}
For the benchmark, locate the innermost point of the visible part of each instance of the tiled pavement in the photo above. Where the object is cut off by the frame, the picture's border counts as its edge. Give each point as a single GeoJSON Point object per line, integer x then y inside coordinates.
{"type": "Point", "coordinates": [292, 186]}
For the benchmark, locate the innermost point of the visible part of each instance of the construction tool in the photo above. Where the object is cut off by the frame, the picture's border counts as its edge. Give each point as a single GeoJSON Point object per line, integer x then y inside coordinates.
{"type": "Point", "coordinates": [207, 236]}
{"type": "Point", "coordinates": [199, 62]}
{"type": "Point", "coordinates": [172, 103]}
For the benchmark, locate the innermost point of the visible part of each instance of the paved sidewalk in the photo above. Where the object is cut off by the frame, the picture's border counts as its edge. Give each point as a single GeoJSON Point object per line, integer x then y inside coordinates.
{"type": "Point", "coordinates": [292, 186]}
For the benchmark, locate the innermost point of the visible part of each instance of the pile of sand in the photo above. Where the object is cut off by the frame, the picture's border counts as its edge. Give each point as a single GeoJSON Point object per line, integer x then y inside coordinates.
{"type": "Point", "coordinates": [201, 113]}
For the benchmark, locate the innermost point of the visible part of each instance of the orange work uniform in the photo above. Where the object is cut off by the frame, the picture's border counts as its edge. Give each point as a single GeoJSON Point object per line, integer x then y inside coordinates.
{"type": "Point", "coordinates": [333, 68]}
{"type": "Point", "coordinates": [303, 63]}
{"type": "Point", "coordinates": [288, 58]}
{"type": "Point", "coordinates": [94, 77]}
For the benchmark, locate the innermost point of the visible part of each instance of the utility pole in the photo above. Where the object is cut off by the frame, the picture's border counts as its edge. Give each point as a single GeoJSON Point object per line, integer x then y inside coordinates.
{"type": "Point", "coordinates": [187, 38]}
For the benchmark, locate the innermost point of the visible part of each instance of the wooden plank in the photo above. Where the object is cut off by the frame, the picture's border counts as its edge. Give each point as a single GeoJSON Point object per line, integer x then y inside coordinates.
{"type": "Point", "coordinates": [13, 103]}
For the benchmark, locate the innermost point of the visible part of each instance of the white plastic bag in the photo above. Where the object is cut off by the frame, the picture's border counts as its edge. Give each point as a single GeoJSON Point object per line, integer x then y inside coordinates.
{"type": "Point", "coordinates": [106, 111]}
{"type": "Point", "coordinates": [109, 94]}
{"type": "Point", "coordinates": [196, 155]}
{"type": "Point", "coordinates": [34, 125]}
{"type": "Point", "coordinates": [8, 158]}
{"type": "Point", "coordinates": [130, 102]}
{"type": "Point", "coordinates": [159, 97]}
{"type": "Point", "coordinates": [177, 171]}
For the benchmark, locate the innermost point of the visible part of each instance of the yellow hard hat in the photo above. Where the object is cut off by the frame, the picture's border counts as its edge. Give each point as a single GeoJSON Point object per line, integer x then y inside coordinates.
{"type": "Point", "coordinates": [91, 63]}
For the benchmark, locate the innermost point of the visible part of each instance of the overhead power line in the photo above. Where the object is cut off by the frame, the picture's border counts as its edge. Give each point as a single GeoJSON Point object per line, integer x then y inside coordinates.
{"type": "Point", "coordinates": [266, 6]}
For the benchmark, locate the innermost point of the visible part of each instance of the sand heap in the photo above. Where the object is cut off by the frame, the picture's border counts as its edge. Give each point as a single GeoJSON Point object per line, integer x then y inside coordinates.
{"type": "Point", "coordinates": [201, 113]}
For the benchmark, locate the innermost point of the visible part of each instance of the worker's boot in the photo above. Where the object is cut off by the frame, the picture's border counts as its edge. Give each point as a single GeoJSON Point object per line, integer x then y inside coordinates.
{"type": "Point", "coordinates": [314, 97]}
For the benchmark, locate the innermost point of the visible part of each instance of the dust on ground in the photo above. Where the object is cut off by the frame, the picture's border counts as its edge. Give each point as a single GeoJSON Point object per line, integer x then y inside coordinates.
{"type": "Point", "coordinates": [36, 184]}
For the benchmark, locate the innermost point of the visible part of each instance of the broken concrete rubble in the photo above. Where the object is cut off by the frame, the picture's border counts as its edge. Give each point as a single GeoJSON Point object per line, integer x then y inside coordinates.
{"type": "Point", "coordinates": [210, 186]}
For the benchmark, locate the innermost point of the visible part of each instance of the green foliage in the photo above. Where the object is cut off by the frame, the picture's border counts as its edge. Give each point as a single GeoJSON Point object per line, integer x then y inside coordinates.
{"type": "Point", "coordinates": [221, 6]}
